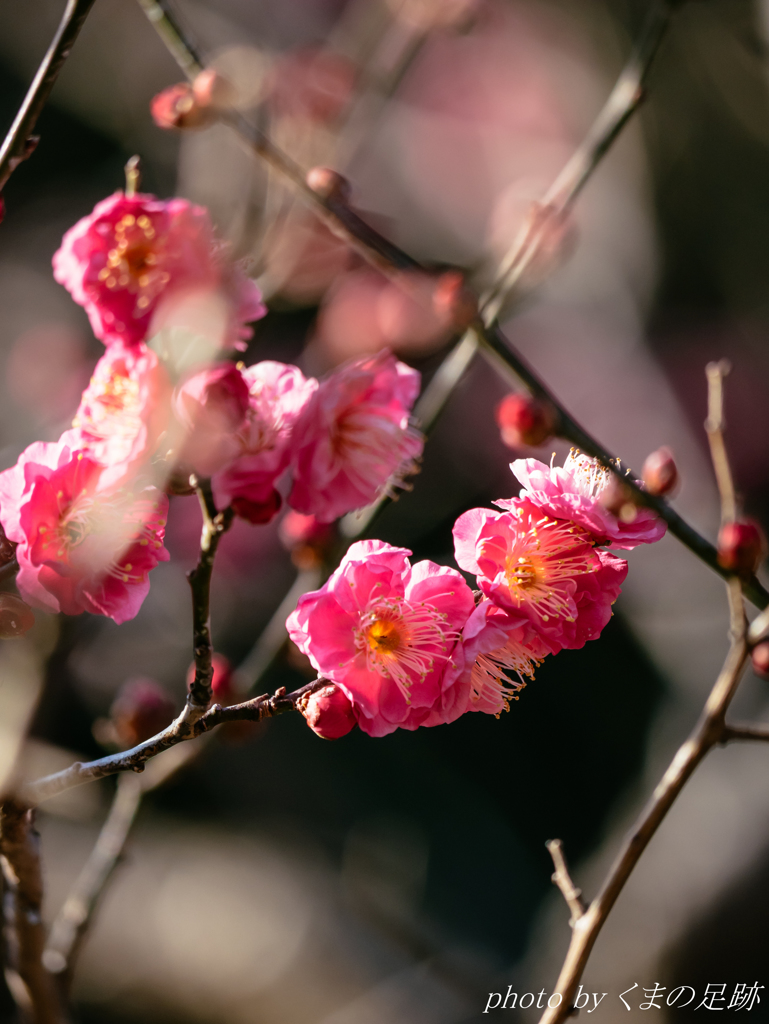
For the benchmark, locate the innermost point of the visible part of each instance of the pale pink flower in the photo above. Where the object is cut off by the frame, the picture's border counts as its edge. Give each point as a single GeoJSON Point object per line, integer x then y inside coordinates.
{"type": "Point", "coordinates": [123, 412]}
{"type": "Point", "coordinates": [80, 548]}
{"type": "Point", "coordinates": [527, 562]}
{"type": "Point", "coordinates": [386, 633]}
{"type": "Point", "coordinates": [277, 393]}
{"type": "Point", "coordinates": [574, 493]}
{"type": "Point", "coordinates": [353, 437]}
{"type": "Point", "coordinates": [131, 252]}
{"type": "Point", "coordinates": [211, 407]}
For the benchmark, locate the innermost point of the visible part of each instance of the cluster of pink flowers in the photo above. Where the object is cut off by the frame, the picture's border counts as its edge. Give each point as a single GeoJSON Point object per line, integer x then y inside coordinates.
{"type": "Point", "coordinates": [88, 512]}
{"type": "Point", "coordinates": [413, 645]}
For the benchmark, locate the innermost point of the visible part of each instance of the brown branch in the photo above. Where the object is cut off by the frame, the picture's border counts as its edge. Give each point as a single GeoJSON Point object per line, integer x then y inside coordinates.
{"type": "Point", "coordinates": [709, 732]}
{"type": "Point", "coordinates": [215, 525]}
{"type": "Point", "coordinates": [32, 986]}
{"type": "Point", "coordinates": [745, 731]}
{"type": "Point", "coordinates": [254, 710]}
{"type": "Point", "coordinates": [714, 427]}
{"type": "Point", "coordinates": [562, 879]}
{"type": "Point", "coordinates": [72, 921]}
{"type": "Point", "coordinates": [20, 142]}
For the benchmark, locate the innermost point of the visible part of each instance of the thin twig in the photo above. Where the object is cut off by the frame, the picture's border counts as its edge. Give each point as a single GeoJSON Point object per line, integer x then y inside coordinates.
{"type": "Point", "coordinates": [72, 921]}
{"type": "Point", "coordinates": [562, 879]}
{"type": "Point", "coordinates": [745, 731]}
{"type": "Point", "coordinates": [20, 142]}
{"type": "Point", "coordinates": [714, 427]}
{"type": "Point", "coordinates": [32, 987]}
{"type": "Point", "coordinates": [549, 214]}
{"type": "Point", "coordinates": [254, 710]}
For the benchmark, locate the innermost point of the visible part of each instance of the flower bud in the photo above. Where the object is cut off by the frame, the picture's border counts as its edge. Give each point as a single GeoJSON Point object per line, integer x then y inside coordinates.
{"type": "Point", "coordinates": [141, 709]}
{"type": "Point", "coordinates": [257, 512]}
{"type": "Point", "coordinates": [741, 546]}
{"type": "Point", "coordinates": [212, 91]}
{"type": "Point", "coordinates": [660, 473]}
{"type": "Point", "coordinates": [617, 498]}
{"type": "Point", "coordinates": [760, 659]}
{"type": "Point", "coordinates": [454, 302]}
{"type": "Point", "coordinates": [306, 538]}
{"type": "Point", "coordinates": [329, 713]}
{"type": "Point", "coordinates": [525, 420]}
{"type": "Point", "coordinates": [329, 184]}
{"type": "Point", "coordinates": [177, 107]}
{"type": "Point", "coordinates": [16, 617]}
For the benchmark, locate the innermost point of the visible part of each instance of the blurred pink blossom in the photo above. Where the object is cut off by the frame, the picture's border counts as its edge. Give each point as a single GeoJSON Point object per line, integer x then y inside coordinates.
{"type": "Point", "coordinates": [80, 548]}
{"type": "Point", "coordinates": [211, 407]}
{"type": "Point", "coordinates": [123, 412]}
{"type": "Point", "coordinates": [574, 493]}
{"type": "Point", "coordinates": [276, 394]}
{"type": "Point", "coordinates": [131, 252]}
{"type": "Point", "coordinates": [385, 632]}
{"type": "Point", "coordinates": [353, 436]}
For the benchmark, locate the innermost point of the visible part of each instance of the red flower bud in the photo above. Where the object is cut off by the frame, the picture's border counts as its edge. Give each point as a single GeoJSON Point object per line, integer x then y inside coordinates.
{"type": "Point", "coordinates": [525, 420]}
{"type": "Point", "coordinates": [760, 659]}
{"type": "Point", "coordinates": [141, 709]}
{"type": "Point", "coordinates": [176, 107]}
{"type": "Point", "coordinates": [454, 302]}
{"type": "Point", "coordinates": [329, 184]}
{"type": "Point", "coordinates": [741, 546]}
{"type": "Point", "coordinates": [211, 91]}
{"type": "Point", "coordinates": [329, 713]}
{"type": "Point", "coordinates": [16, 617]}
{"type": "Point", "coordinates": [257, 512]}
{"type": "Point", "coordinates": [660, 473]}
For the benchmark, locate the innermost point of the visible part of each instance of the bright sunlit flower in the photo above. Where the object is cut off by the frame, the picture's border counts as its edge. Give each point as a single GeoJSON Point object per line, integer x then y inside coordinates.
{"type": "Point", "coordinates": [386, 632]}
{"type": "Point", "coordinates": [574, 493]}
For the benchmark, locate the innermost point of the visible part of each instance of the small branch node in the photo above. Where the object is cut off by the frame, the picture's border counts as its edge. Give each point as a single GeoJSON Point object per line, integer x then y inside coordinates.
{"type": "Point", "coordinates": [562, 879]}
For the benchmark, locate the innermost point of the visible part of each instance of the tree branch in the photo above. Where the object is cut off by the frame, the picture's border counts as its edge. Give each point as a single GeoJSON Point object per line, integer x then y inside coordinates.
{"type": "Point", "coordinates": [745, 731]}
{"type": "Point", "coordinates": [33, 987]}
{"type": "Point", "coordinates": [254, 710]}
{"type": "Point", "coordinates": [714, 427]}
{"type": "Point", "coordinates": [19, 142]}
{"type": "Point", "coordinates": [562, 879]}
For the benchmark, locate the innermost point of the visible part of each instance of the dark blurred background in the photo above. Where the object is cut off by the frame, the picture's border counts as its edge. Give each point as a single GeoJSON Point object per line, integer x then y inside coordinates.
{"type": "Point", "coordinates": [288, 879]}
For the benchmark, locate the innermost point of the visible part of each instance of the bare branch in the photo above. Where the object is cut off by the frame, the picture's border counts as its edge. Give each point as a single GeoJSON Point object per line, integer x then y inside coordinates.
{"type": "Point", "coordinates": [72, 921]}
{"type": "Point", "coordinates": [19, 142]}
{"type": "Point", "coordinates": [33, 987]}
{"type": "Point", "coordinates": [254, 710]}
{"type": "Point", "coordinates": [714, 427]}
{"type": "Point", "coordinates": [745, 731]}
{"type": "Point", "coordinates": [562, 879]}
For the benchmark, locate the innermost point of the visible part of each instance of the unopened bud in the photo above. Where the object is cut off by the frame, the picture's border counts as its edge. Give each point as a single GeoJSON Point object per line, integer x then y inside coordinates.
{"type": "Point", "coordinates": [617, 498]}
{"type": "Point", "coordinates": [329, 184]}
{"type": "Point", "coordinates": [212, 91]}
{"type": "Point", "coordinates": [760, 659]}
{"type": "Point", "coordinates": [306, 538]}
{"type": "Point", "coordinates": [16, 617]}
{"type": "Point", "coordinates": [454, 302]}
{"type": "Point", "coordinates": [660, 473]}
{"type": "Point", "coordinates": [525, 420]}
{"type": "Point", "coordinates": [141, 709]}
{"type": "Point", "coordinates": [329, 713]}
{"type": "Point", "coordinates": [176, 107]}
{"type": "Point", "coordinates": [257, 512]}
{"type": "Point", "coordinates": [741, 546]}
{"type": "Point", "coordinates": [222, 681]}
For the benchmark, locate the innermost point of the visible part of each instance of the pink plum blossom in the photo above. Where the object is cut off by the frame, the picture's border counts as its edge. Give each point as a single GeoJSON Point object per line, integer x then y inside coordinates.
{"type": "Point", "coordinates": [528, 563]}
{"type": "Point", "coordinates": [80, 548]}
{"type": "Point", "coordinates": [574, 491]}
{"type": "Point", "coordinates": [276, 395]}
{"type": "Point", "coordinates": [386, 633]}
{"type": "Point", "coordinates": [123, 412]}
{"type": "Point", "coordinates": [211, 406]}
{"type": "Point", "coordinates": [128, 255]}
{"type": "Point", "coordinates": [353, 437]}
